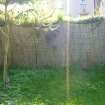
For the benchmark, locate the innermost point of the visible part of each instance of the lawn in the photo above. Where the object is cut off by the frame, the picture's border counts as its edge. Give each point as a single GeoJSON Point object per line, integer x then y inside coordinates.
{"type": "Point", "coordinates": [47, 87]}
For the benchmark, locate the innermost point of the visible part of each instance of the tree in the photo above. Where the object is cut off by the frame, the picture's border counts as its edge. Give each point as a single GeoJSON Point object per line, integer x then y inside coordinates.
{"type": "Point", "coordinates": [8, 22]}
{"type": "Point", "coordinates": [7, 34]}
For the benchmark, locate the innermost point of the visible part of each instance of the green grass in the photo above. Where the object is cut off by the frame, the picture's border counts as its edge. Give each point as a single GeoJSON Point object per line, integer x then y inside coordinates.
{"type": "Point", "coordinates": [47, 87]}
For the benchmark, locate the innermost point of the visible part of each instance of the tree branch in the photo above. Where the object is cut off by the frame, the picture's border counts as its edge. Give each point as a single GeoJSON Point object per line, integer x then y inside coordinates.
{"type": "Point", "coordinates": [3, 33]}
{"type": "Point", "coordinates": [49, 15]}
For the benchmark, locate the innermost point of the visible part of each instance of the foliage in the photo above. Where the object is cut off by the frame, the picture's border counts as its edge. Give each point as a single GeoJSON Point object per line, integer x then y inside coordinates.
{"type": "Point", "coordinates": [93, 20]}
{"type": "Point", "coordinates": [45, 87]}
{"type": "Point", "coordinates": [36, 14]}
{"type": "Point", "coordinates": [85, 19]}
{"type": "Point", "coordinates": [16, 1]}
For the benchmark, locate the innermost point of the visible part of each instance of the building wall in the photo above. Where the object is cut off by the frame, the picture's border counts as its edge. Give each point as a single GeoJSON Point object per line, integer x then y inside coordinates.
{"type": "Point", "coordinates": [76, 7]}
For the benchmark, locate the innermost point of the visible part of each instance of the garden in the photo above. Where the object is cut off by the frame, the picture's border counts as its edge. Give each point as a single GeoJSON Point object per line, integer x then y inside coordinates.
{"type": "Point", "coordinates": [48, 58]}
{"type": "Point", "coordinates": [47, 87]}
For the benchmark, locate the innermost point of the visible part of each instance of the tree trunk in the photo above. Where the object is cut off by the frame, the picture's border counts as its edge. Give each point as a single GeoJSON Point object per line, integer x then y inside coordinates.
{"type": "Point", "coordinates": [5, 74]}
{"type": "Point", "coordinates": [6, 49]}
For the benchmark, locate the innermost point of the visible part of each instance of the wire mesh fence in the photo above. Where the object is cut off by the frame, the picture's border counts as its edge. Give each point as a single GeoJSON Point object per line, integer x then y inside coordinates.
{"type": "Point", "coordinates": [31, 48]}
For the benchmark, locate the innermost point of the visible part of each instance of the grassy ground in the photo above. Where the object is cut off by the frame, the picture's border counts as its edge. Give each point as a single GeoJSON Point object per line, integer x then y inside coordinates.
{"type": "Point", "coordinates": [47, 87]}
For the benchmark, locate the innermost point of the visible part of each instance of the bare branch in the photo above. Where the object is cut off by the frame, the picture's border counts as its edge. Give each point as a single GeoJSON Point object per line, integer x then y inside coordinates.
{"type": "Point", "coordinates": [12, 8]}
{"type": "Point", "coordinates": [3, 32]}
{"type": "Point", "coordinates": [29, 10]}
{"type": "Point", "coordinates": [49, 15]}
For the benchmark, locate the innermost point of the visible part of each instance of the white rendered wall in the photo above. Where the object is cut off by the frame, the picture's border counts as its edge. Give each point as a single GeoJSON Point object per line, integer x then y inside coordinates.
{"type": "Point", "coordinates": [75, 7]}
